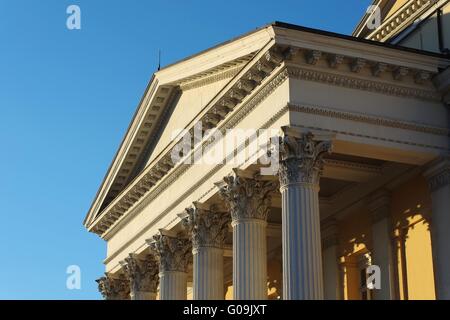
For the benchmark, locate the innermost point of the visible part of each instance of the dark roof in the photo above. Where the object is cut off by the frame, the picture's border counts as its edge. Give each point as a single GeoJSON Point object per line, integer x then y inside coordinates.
{"type": "Point", "coordinates": [352, 38]}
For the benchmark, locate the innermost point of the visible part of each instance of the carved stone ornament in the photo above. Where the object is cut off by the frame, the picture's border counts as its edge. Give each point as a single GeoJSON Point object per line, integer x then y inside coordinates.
{"type": "Point", "coordinates": [113, 288]}
{"type": "Point", "coordinates": [301, 158]}
{"type": "Point", "coordinates": [142, 273]}
{"type": "Point", "coordinates": [207, 227]}
{"type": "Point", "coordinates": [438, 174]}
{"type": "Point", "coordinates": [174, 253]}
{"type": "Point", "coordinates": [247, 198]}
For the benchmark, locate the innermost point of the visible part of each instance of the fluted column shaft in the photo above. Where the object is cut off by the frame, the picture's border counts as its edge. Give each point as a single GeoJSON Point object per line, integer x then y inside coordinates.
{"type": "Point", "coordinates": [249, 259]}
{"type": "Point", "coordinates": [174, 257]}
{"type": "Point", "coordinates": [249, 202]}
{"type": "Point", "coordinates": [208, 273]}
{"type": "Point", "coordinates": [439, 184]}
{"type": "Point", "coordinates": [300, 168]}
{"type": "Point", "coordinates": [172, 285]}
{"type": "Point", "coordinates": [302, 256]}
{"type": "Point", "coordinates": [208, 229]}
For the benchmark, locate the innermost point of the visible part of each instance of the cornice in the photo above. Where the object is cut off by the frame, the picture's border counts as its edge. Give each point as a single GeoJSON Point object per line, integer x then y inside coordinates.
{"type": "Point", "coordinates": [369, 119]}
{"type": "Point", "coordinates": [361, 26]}
{"type": "Point", "coordinates": [126, 144]}
{"type": "Point", "coordinates": [224, 72]}
{"type": "Point", "coordinates": [438, 173]}
{"type": "Point", "coordinates": [360, 83]}
{"type": "Point", "coordinates": [402, 18]}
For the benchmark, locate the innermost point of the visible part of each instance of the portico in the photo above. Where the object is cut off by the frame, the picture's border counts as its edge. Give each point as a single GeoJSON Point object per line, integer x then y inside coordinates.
{"type": "Point", "coordinates": [356, 131]}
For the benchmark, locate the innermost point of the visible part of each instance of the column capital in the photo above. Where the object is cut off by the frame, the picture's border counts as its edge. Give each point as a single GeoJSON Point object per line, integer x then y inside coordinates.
{"type": "Point", "coordinates": [113, 288]}
{"type": "Point", "coordinates": [300, 156]}
{"type": "Point", "coordinates": [438, 173]}
{"type": "Point", "coordinates": [142, 273]}
{"type": "Point", "coordinates": [247, 198]}
{"type": "Point", "coordinates": [173, 252]}
{"type": "Point", "coordinates": [379, 205]}
{"type": "Point", "coordinates": [208, 227]}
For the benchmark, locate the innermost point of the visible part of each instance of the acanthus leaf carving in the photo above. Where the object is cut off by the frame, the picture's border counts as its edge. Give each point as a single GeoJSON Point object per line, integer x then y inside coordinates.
{"type": "Point", "coordinates": [247, 198]}
{"type": "Point", "coordinates": [174, 253]}
{"type": "Point", "coordinates": [142, 273]}
{"type": "Point", "coordinates": [301, 158]}
{"type": "Point", "coordinates": [207, 227]}
{"type": "Point", "coordinates": [113, 288]}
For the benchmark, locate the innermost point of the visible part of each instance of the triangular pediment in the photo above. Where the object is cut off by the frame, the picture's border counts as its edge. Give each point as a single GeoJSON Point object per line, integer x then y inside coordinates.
{"type": "Point", "coordinates": [174, 96]}
{"type": "Point", "coordinates": [395, 17]}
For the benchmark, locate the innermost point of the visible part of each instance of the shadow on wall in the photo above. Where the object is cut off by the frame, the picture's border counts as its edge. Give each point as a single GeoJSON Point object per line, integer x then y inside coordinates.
{"type": "Point", "coordinates": [410, 235]}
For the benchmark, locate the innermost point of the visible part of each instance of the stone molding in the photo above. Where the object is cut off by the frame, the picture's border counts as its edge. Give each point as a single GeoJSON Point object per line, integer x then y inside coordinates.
{"type": "Point", "coordinates": [438, 174]}
{"type": "Point", "coordinates": [358, 83]}
{"type": "Point", "coordinates": [400, 19]}
{"type": "Point", "coordinates": [369, 119]}
{"type": "Point", "coordinates": [227, 74]}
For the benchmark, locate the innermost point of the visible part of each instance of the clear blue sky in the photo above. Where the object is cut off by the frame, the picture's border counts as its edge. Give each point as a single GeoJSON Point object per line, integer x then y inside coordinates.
{"type": "Point", "coordinates": [66, 99]}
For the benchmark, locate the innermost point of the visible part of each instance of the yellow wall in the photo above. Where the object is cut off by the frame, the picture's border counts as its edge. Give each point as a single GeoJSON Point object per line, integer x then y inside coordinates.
{"type": "Point", "coordinates": [410, 209]}
{"type": "Point", "coordinates": [354, 240]}
{"type": "Point", "coordinates": [274, 285]}
{"type": "Point", "coordinates": [397, 5]}
{"type": "Point", "coordinates": [411, 205]}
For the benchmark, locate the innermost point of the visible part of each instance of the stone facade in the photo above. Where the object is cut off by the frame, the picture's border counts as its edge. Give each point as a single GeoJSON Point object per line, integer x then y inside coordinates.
{"type": "Point", "coordinates": [353, 174]}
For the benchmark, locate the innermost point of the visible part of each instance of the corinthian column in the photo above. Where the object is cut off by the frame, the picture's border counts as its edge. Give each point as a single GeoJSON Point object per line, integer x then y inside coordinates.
{"type": "Point", "coordinates": [299, 172]}
{"type": "Point", "coordinates": [439, 183]}
{"type": "Point", "coordinates": [249, 204]}
{"type": "Point", "coordinates": [208, 229]}
{"type": "Point", "coordinates": [174, 257]}
{"type": "Point", "coordinates": [143, 277]}
{"type": "Point", "coordinates": [113, 288]}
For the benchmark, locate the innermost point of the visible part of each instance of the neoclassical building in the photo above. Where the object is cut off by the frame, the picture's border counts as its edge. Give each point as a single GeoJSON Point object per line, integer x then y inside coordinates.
{"type": "Point", "coordinates": [347, 167]}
